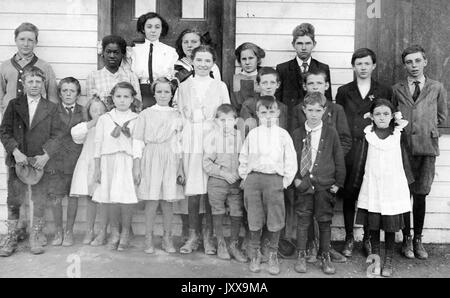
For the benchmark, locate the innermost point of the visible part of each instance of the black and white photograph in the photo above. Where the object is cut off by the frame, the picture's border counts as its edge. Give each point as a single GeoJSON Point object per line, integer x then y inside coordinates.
{"type": "Point", "coordinates": [205, 141]}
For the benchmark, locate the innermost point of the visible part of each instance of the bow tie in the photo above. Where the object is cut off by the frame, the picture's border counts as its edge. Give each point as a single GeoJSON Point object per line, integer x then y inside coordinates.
{"type": "Point", "coordinates": [124, 129]}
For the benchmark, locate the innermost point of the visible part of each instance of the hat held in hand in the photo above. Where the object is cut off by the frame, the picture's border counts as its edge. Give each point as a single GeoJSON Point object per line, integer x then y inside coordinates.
{"type": "Point", "coordinates": [28, 174]}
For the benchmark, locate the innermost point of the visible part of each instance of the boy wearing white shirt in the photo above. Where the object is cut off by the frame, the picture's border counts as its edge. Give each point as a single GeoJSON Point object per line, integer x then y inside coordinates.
{"type": "Point", "coordinates": [268, 163]}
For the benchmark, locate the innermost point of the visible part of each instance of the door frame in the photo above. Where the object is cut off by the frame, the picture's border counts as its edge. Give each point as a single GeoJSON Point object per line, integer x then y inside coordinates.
{"type": "Point", "coordinates": [228, 32]}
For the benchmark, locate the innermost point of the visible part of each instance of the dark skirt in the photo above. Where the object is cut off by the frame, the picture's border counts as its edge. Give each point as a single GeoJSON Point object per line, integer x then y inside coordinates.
{"type": "Point", "coordinates": [376, 221]}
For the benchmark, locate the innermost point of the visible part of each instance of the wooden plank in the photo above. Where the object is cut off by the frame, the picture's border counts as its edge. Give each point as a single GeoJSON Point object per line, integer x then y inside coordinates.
{"type": "Point", "coordinates": [440, 189]}
{"type": "Point", "coordinates": [284, 42]}
{"type": "Point", "coordinates": [285, 26]}
{"type": "Point", "coordinates": [74, 7]}
{"type": "Point", "coordinates": [73, 70]}
{"type": "Point", "coordinates": [444, 158]}
{"type": "Point", "coordinates": [309, 1]}
{"type": "Point", "coordinates": [47, 22]}
{"type": "Point", "coordinates": [442, 174]}
{"type": "Point", "coordinates": [334, 60]}
{"type": "Point", "coordinates": [228, 39]}
{"type": "Point", "coordinates": [104, 23]}
{"type": "Point", "coordinates": [444, 142]}
{"type": "Point", "coordinates": [345, 11]}
{"type": "Point", "coordinates": [56, 38]}
{"type": "Point", "coordinates": [57, 54]}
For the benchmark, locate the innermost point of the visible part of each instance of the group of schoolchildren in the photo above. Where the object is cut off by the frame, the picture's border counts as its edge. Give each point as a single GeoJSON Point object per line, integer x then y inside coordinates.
{"type": "Point", "coordinates": [277, 142]}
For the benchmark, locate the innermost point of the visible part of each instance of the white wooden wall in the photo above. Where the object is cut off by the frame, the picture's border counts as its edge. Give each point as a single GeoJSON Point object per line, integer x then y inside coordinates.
{"type": "Point", "coordinates": [67, 40]}
{"type": "Point", "coordinates": [269, 24]}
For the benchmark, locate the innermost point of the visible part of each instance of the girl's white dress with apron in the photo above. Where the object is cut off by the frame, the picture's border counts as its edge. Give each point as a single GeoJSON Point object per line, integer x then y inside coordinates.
{"type": "Point", "coordinates": [197, 99]}
{"type": "Point", "coordinates": [83, 176]}
{"type": "Point", "coordinates": [385, 188]}
{"type": "Point", "coordinates": [116, 155]}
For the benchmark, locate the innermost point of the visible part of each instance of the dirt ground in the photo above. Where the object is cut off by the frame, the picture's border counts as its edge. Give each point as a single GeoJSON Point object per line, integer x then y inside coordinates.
{"type": "Point", "coordinates": [88, 262]}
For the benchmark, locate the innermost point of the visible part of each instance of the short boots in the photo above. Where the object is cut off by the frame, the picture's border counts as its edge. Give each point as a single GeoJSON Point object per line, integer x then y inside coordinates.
{"type": "Point", "coordinates": [407, 247]}
{"type": "Point", "coordinates": [208, 244]}
{"type": "Point", "coordinates": [236, 253]}
{"type": "Point", "coordinates": [167, 244]}
{"type": "Point", "coordinates": [336, 257]}
{"type": "Point", "coordinates": [149, 248]}
{"type": "Point", "coordinates": [9, 243]}
{"type": "Point", "coordinates": [58, 239]}
{"type": "Point", "coordinates": [68, 238]}
{"type": "Point", "coordinates": [300, 265]}
{"type": "Point", "coordinates": [100, 239]}
{"type": "Point", "coordinates": [88, 237]}
{"type": "Point", "coordinates": [367, 246]}
{"type": "Point", "coordinates": [327, 266]}
{"type": "Point", "coordinates": [419, 250]}
{"type": "Point", "coordinates": [255, 260]}
{"type": "Point", "coordinates": [387, 270]}
{"type": "Point", "coordinates": [35, 245]}
{"type": "Point", "coordinates": [311, 253]}
{"type": "Point", "coordinates": [222, 251]}
{"type": "Point", "coordinates": [114, 238]}
{"type": "Point", "coordinates": [191, 244]}
{"type": "Point", "coordinates": [274, 264]}
{"type": "Point", "coordinates": [124, 242]}
{"type": "Point", "coordinates": [348, 247]}
{"type": "Point", "coordinates": [265, 250]}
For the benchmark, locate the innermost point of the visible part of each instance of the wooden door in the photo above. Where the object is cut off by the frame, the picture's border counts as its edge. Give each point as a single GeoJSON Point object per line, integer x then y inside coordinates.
{"type": "Point", "coordinates": [126, 12]}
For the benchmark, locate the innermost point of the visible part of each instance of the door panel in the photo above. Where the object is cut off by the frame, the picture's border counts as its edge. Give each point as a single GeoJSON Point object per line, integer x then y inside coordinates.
{"type": "Point", "coordinates": [125, 18]}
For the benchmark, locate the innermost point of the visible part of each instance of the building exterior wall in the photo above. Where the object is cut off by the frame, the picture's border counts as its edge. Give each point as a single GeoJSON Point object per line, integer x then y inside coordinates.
{"type": "Point", "coordinates": [68, 40]}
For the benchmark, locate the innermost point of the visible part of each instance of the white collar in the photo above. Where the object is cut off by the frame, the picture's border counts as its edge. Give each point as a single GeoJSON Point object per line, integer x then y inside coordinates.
{"type": "Point", "coordinates": [120, 70]}
{"type": "Point", "coordinates": [317, 128]}
{"type": "Point", "coordinates": [30, 100]}
{"type": "Point", "coordinates": [412, 80]}
{"type": "Point", "coordinates": [300, 61]}
{"type": "Point", "coordinates": [155, 43]}
{"type": "Point", "coordinates": [68, 106]}
{"type": "Point", "coordinates": [157, 107]}
{"type": "Point", "coordinates": [253, 73]}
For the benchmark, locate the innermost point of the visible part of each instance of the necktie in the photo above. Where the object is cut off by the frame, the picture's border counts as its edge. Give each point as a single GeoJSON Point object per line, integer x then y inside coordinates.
{"type": "Point", "coordinates": [121, 129]}
{"type": "Point", "coordinates": [416, 91]}
{"type": "Point", "coordinates": [69, 110]}
{"type": "Point", "coordinates": [306, 159]}
{"type": "Point", "coordinates": [150, 64]}
{"type": "Point", "coordinates": [305, 67]}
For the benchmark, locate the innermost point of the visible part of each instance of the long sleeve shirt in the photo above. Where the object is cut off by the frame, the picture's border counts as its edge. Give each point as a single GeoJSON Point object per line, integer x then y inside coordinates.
{"type": "Point", "coordinates": [8, 82]}
{"type": "Point", "coordinates": [221, 152]}
{"type": "Point", "coordinates": [269, 150]}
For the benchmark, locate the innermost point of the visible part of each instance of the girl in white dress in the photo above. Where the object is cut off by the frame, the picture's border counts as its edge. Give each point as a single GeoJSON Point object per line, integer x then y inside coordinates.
{"type": "Point", "coordinates": [384, 195]}
{"type": "Point", "coordinates": [83, 176]}
{"type": "Point", "coordinates": [114, 163]}
{"type": "Point", "coordinates": [157, 165]}
{"type": "Point", "coordinates": [197, 99]}
{"type": "Point", "coordinates": [187, 41]}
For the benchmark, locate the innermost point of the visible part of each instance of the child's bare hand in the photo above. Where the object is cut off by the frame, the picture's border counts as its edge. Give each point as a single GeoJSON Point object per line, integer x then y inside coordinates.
{"type": "Point", "coordinates": [334, 189]}
{"type": "Point", "coordinates": [297, 182]}
{"type": "Point", "coordinates": [229, 177]}
{"type": "Point", "coordinates": [41, 161]}
{"type": "Point", "coordinates": [181, 179]}
{"type": "Point", "coordinates": [241, 186]}
{"type": "Point", "coordinates": [97, 175]}
{"type": "Point", "coordinates": [19, 157]}
{"type": "Point", "coordinates": [137, 175]}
